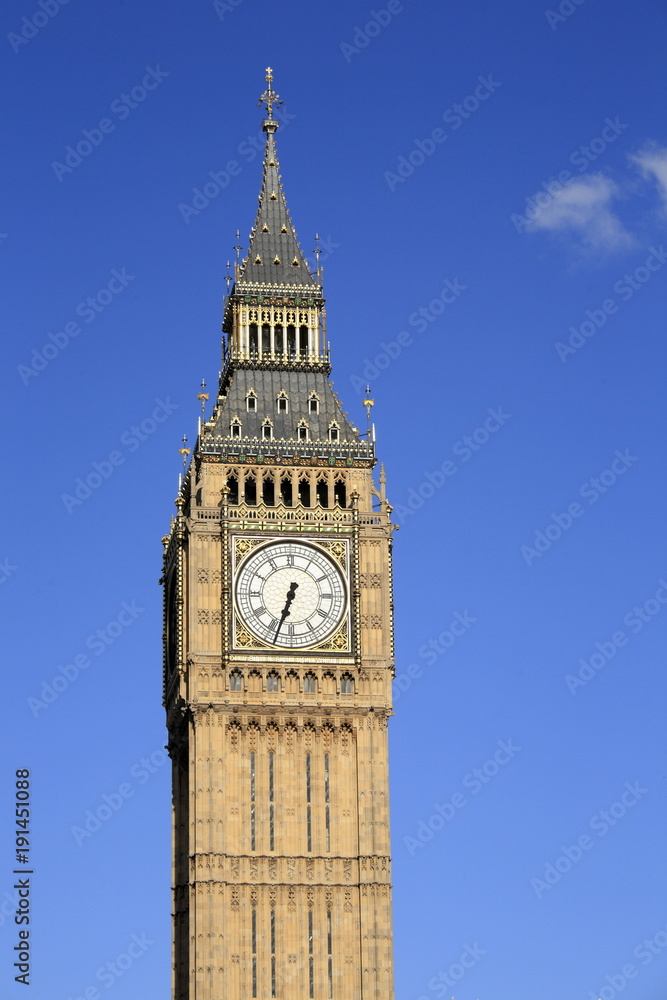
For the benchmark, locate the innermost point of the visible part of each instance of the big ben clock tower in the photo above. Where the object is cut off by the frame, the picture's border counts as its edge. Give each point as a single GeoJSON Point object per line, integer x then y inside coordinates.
{"type": "Point", "coordinates": [278, 658]}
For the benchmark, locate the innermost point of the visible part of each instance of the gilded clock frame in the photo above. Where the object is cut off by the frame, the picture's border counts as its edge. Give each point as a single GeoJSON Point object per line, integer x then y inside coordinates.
{"type": "Point", "coordinates": [337, 550]}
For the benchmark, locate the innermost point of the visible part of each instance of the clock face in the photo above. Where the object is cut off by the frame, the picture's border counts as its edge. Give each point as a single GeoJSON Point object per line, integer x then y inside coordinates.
{"type": "Point", "coordinates": [290, 594]}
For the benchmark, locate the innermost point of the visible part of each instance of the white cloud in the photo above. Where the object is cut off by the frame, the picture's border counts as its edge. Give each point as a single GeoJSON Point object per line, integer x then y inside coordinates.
{"type": "Point", "coordinates": [652, 162]}
{"type": "Point", "coordinates": [582, 209]}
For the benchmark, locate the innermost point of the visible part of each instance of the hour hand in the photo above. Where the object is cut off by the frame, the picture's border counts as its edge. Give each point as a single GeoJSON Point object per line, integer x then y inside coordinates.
{"type": "Point", "coordinates": [291, 593]}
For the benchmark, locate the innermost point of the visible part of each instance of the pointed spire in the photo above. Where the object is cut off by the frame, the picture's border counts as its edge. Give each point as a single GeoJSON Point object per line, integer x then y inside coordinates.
{"type": "Point", "coordinates": [274, 255]}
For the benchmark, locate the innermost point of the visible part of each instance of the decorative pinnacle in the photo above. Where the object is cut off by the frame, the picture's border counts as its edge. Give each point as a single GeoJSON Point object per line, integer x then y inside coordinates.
{"type": "Point", "coordinates": [368, 403]}
{"type": "Point", "coordinates": [317, 251]}
{"type": "Point", "coordinates": [238, 248]}
{"type": "Point", "coordinates": [184, 451]}
{"type": "Point", "coordinates": [203, 397]}
{"type": "Point", "coordinates": [269, 97]}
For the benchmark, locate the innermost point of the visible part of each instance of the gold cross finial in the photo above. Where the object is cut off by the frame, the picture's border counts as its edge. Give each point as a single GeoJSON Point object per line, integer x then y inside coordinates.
{"type": "Point", "coordinates": [269, 97]}
{"type": "Point", "coordinates": [203, 396]}
{"type": "Point", "coordinates": [368, 403]}
{"type": "Point", "coordinates": [184, 451]}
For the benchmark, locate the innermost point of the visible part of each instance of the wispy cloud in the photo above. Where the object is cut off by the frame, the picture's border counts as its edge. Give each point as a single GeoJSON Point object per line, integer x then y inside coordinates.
{"type": "Point", "coordinates": [582, 210]}
{"type": "Point", "coordinates": [652, 162]}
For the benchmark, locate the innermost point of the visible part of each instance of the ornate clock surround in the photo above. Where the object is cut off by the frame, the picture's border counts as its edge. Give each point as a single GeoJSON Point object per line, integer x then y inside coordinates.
{"type": "Point", "coordinates": [337, 640]}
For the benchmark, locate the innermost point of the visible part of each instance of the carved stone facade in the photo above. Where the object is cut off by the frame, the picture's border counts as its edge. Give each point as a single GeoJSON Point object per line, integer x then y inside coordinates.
{"type": "Point", "coordinates": [281, 865]}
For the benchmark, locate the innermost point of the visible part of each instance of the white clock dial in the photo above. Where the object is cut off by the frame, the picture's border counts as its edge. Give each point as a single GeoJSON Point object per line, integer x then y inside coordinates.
{"type": "Point", "coordinates": [290, 594]}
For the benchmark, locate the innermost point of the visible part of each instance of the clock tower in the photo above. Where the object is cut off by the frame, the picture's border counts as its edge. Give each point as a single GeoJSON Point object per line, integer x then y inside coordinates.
{"type": "Point", "coordinates": [278, 657]}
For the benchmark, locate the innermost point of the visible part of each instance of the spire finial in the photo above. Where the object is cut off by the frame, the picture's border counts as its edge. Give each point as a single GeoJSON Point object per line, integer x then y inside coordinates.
{"type": "Point", "coordinates": [317, 251]}
{"type": "Point", "coordinates": [368, 403]}
{"type": "Point", "coordinates": [238, 248]}
{"type": "Point", "coordinates": [269, 97]}
{"type": "Point", "coordinates": [203, 396]}
{"type": "Point", "coordinates": [184, 451]}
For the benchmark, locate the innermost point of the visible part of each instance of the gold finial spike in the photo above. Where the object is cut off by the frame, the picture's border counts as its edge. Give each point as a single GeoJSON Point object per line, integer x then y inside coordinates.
{"type": "Point", "coordinates": [184, 451]}
{"type": "Point", "coordinates": [203, 397]}
{"type": "Point", "coordinates": [269, 97]}
{"type": "Point", "coordinates": [368, 403]}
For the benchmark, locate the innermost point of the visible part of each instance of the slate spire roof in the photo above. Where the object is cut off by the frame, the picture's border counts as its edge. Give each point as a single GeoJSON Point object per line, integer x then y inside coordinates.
{"type": "Point", "coordinates": [274, 396]}
{"type": "Point", "coordinates": [274, 256]}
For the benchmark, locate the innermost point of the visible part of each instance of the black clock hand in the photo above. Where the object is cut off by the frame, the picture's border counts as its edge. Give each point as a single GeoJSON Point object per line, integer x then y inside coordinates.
{"type": "Point", "coordinates": [291, 594]}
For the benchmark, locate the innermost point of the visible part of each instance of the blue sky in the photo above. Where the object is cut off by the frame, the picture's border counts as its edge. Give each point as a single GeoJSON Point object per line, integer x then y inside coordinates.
{"type": "Point", "coordinates": [489, 182]}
